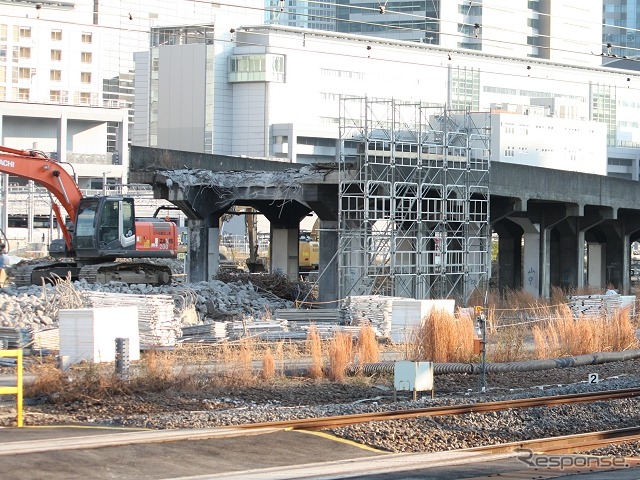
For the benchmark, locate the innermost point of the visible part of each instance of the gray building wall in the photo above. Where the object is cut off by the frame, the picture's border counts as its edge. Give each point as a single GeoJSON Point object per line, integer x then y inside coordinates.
{"type": "Point", "coordinates": [181, 111]}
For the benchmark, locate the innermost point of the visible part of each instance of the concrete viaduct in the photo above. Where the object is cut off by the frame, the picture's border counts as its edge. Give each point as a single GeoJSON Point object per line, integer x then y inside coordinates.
{"type": "Point", "coordinates": [553, 213]}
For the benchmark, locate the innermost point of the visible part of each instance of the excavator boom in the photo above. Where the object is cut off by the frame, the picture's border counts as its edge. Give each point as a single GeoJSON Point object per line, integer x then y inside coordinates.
{"type": "Point", "coordinates": [35, 166]}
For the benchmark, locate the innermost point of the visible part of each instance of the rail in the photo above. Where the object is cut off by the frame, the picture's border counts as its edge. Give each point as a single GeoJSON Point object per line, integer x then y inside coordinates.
{"type": "Point", "coordinates": [579, 442]}
{"type": "Point", "coordinates": [342, 420]}
{"type": "Point", "coordinates": [17, 390]}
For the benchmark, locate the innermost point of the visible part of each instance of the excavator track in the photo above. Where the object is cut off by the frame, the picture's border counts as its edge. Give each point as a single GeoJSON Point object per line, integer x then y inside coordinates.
{"type": "Point", "coordinates": [127, 272]}
{"type": "Point", "coordinates": [36, 273]}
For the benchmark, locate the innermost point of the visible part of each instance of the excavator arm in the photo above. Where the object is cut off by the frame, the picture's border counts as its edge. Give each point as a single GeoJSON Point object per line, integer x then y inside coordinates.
{"type": "Point", "coordinates": [36, 166]}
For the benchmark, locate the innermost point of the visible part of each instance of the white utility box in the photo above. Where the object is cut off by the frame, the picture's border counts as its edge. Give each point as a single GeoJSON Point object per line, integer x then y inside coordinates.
{"type": "Point", "coordinates": [90, 334]}
{"type": "Point", "coordinates": [413, 377]}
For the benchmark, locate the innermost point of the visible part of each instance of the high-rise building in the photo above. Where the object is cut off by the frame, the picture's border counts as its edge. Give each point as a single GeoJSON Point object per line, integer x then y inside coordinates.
{"type": "Point", "coordinates": [621, 28]}
{"type": "Point", "coordinates": [81, 54]}
{"type": "Point", "coordinates": [566, 32]}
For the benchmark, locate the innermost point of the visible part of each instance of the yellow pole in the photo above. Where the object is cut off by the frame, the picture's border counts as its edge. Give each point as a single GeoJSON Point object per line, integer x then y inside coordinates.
{"type": "Point", "coordinates": [19, 385]}
{"type": "Point", "coordinates": [17, 389]}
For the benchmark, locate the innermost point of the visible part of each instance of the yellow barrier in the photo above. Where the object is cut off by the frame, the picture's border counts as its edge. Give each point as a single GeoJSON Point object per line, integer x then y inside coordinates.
{"type": "Point", "coordinates": [17, 390]}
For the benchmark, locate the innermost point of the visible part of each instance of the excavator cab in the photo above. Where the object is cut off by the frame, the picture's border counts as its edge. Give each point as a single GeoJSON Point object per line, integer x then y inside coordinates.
{"type": "Point", "coordinates": [105, 227]}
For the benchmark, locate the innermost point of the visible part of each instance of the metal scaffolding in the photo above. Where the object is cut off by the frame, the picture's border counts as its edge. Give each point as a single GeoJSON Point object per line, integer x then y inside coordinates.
{"type": "Point", "coordinates": [414, 200]}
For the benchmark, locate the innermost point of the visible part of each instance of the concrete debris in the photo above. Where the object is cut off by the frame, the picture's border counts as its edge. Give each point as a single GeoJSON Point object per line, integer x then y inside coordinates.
{"type": "Point", "coordinates": [31, 308]}
{"type": "Point", "coordinates": [199, 178]}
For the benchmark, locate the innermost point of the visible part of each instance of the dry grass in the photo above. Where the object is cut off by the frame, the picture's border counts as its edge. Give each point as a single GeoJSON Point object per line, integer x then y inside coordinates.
{"type": "Point", "coordinates": [443, 338]}
{"type": "Point", "coordinates": [367, 345]}
{"type": "Point", "coordinates": [566, 335]}
{"type": "Point", "coordinates": [508, 344]}
{"type": "Point", "coordinates": [85, 381]}
{"type": "Point", "coordinates": [314, 349]}
{"type": "Point", "coordinates": [268, 365]}
{"type": "Point", "coordinates": [340, 355]}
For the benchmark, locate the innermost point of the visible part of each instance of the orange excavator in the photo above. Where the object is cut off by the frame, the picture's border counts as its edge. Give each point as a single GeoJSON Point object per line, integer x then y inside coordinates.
{"type": "Point", "coordinates": [99, 230]}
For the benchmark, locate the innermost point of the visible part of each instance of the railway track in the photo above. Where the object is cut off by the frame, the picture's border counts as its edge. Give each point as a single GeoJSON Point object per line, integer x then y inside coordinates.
{"type": "Point", "coordinates": [580, 442]}
{"type": "Point", "coordinates": [320, 423]}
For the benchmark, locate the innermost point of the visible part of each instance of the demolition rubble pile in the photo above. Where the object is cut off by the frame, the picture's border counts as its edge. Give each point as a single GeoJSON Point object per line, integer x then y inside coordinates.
{"type": "Point", "coordinates": [35, 308]}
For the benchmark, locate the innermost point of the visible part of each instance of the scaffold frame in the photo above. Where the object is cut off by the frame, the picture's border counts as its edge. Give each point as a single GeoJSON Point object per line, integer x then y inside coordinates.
{"type": "Point", "coordinates": [413, 200]}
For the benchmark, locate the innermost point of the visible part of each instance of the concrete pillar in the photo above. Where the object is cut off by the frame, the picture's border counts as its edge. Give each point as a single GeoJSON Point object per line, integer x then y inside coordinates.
{"type": "Point", "coordinates": [530, 273]}
{"type": "Point", "coordinates": [197, 255]}
{"type": "Point", "coordinates": [596, 266]}
{"type": "Point", "coordinates": [614, 250]}
{"type": "Point", "coordinates": [545, 262]}
{"type": "Point", "coordinates": [625, 287]}
{"type": "Point", "coordinates": [567, 272]}
{"type": "Point", "coordinates": [531, 263]}
{"type": "Point", "coordinates": [328, 284]}
{"type": "Point", "coordinates": [509, 255]}
{"type": "Point", "coordinates": [284, 251]}
{"type": "Point", "coordinates": [581, 257]}
{"type": "Point", "coordinates": [213, 252]}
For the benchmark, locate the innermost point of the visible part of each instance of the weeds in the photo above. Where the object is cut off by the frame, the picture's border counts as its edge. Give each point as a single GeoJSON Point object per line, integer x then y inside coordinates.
{"type": "Point", "coordinates": [340, 355]}
{"type": "Point", "coordinates": [443, 337]}
{"type": "Point", "coordinates": [314, 349]}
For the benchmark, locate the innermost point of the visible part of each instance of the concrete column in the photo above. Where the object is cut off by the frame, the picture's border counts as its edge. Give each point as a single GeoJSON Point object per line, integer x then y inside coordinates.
{"type": "Point", "coordinates": [284, 251]}
{"type": "Point", "coordinates": [567, 260]}
{"type": "Point", "coordinates": [197, 255]}
{"type": "Point", "coordinates": [545, 262]}
{"type": "Point", "coordinates": [509, 255]}
{"type": "Point", "coordinates": [531, 267]}
{"type": "Point", "coordinates": [213, 252]}
{"type": "Point", "coordinates": [626, 265]}
{"type": "Point", "coordinates": [581, 256]}
{"type": "Point", "coordinates": [596, 267]}
{"type": "Point", "coordinates": [328, 284]}
{"type": "Point", "coordinates": [614, 251]}
{"type": "Point", "coordinates": [530, 274]}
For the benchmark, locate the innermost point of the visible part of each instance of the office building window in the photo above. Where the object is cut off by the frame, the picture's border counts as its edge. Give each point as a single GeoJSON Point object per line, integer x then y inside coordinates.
{"type": "Point", "coordinates": [84, 98]}
{"type": "Point", "coordinates": [85, 57]}
{"type": "Point", "coordinates": [85, 77]}
{"type": "Point", "coordinates": [87, 38]}
{"type": "Point", "coordinates": [24, 53]}
{"type": "Point", "coordinates": [23, 32]}
{"type": "Point", "coordinates": [257, 68]}
{"type": "Point", "coordinates": [3, 53]}
{"type": "Point", "coordinates": [21, 94]}
{"type": "Point", "coordinates": [56, 35]}
{"type": "Point", "coordinates": [55, 75]}
{"type": "Point", "coordinates": [3, 32]}
{"type": "Point", "coordinates": [25, 73]}
{"type": "Point", "coordinates": [56, 55]}
{"type": "Point", "coordinates": [54, 96]}
{"type": "Point", "coordinates": [3, 74]}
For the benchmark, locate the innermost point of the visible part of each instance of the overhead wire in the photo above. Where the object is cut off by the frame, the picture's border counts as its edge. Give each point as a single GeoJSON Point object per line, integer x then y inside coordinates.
{"type": "Point", "coordinates": [385, 25]}
{"type": "Point", "coordinates": [396, 28]}
{"type": "Point", "coordinates": [319, 33]}
{"type": "Point", "coordinates": [269, 30]}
